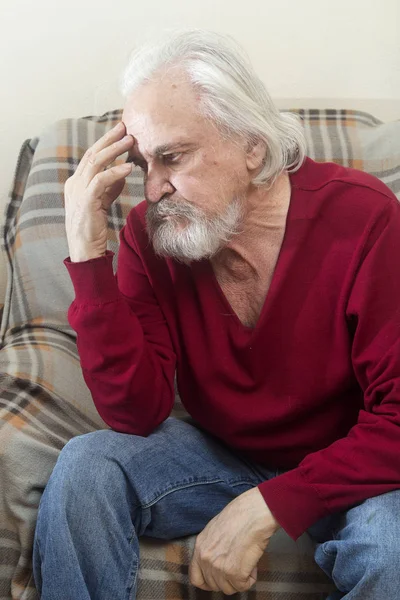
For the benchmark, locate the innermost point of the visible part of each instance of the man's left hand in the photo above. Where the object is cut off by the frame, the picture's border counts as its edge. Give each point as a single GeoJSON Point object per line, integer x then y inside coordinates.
{"type": "Point", "coordinates": [228, 549]}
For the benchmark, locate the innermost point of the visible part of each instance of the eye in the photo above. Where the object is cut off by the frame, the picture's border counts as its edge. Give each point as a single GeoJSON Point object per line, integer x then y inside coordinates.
{"type": "Point", "coordinates": [173, 157]}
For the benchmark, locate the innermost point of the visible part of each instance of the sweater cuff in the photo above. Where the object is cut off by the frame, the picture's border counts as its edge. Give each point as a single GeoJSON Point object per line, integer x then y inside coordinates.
{"type": "Point", "coordinates": [294, 503]}
{"type": "Point", "coordinates": [94, 280]}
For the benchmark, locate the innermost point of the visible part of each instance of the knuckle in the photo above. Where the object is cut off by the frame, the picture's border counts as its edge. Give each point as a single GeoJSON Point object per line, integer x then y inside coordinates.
{"type": "Point", "coordinates": [230, 573]}
{"type": "Point", "coordinates": [205, 557]}
{"type": "Point", "coordinates": [100, 177]}
{"type": "Point", "coordinates": [220, 563]}
{"type": "Point", "coordinates": [92, 159]}
{"type": "Point", "coordinates": [202, 555]}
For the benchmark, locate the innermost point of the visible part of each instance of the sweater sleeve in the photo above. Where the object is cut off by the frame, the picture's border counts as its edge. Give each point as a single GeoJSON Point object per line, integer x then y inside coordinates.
{"type": "Point", "coordinates": [123, 341]}
{"type": "Point", "coordinates": [366, 462]}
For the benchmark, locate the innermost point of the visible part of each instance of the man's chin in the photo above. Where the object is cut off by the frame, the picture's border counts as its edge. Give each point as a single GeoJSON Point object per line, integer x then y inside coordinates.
{"type": "Point", "coordinates": [180, 239]}
{"type": "Point", "coordinates": [173, 250]}
{"type": "Point", "coordinates": [174, 254]}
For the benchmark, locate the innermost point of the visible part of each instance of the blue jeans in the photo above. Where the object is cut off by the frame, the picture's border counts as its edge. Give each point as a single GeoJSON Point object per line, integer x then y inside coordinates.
{"type": "Point", "coordinates": [108, 489]}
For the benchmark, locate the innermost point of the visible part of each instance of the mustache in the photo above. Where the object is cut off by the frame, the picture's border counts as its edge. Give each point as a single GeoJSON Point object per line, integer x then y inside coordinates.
{"type": "Point", "coordinates": [172, 208]}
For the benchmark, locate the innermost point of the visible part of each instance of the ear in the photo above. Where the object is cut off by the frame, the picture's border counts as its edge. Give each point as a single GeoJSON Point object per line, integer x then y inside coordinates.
{"type": "Point", "coordinates": [255, 155]}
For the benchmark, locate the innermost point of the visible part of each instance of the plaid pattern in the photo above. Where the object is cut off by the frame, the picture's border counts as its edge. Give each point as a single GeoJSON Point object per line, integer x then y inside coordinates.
{"type": "Point", "coordinates": [44, 400]}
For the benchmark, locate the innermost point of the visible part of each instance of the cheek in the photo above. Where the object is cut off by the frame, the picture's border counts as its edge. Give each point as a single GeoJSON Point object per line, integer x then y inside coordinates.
{"type": "Point", "coordinates": [187, 186]}
{"type": "Point", "coordinates": [197, 192]}
{"type": "Point", "coordinates": [210, 184]}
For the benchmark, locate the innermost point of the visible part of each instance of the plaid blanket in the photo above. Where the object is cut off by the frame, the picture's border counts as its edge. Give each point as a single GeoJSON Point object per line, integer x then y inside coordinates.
{"type": "Point", "coordinates": [44, 400]}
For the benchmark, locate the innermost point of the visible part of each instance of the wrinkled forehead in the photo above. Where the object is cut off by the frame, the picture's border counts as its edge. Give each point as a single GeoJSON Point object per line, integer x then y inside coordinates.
{"type": "Point", "coordinates": [168, 102]}
{"type": "Point", "coordinates": [162, 113]}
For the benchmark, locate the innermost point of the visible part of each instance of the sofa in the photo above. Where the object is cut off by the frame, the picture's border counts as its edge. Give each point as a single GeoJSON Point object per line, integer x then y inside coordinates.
{"type": "Point", "coordinates": [44, 401]}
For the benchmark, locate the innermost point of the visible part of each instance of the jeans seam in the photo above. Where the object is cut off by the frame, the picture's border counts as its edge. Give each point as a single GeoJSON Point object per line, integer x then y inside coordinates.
{"type": "Point", "coordinates": [330, 554]}
{"type": "Point", "coordinates": [135, 568]}
{"type": "Point", "coordinates": [193, 484]}
{"type": "Point", "coordinates": [243, 482]}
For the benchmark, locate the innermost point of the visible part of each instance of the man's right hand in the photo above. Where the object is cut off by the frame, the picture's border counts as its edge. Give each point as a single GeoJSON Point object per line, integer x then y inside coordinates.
{"type": "Point", "coordinates": [91, 190]}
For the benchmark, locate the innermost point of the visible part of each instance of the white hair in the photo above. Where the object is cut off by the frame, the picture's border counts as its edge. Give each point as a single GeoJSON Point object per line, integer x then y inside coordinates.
{"type": "Point", "coordinates": [200, 238]}
{"type": "Point", "coordinates": [231, 93]}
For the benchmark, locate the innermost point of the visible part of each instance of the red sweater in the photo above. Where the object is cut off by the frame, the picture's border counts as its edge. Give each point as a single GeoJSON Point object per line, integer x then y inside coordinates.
{"type": "Point", "coordinates": [314, 387]}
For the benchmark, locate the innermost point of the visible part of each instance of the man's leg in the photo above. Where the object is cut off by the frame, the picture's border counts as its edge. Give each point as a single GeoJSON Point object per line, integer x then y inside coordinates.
{"type": "Point", "coordinates": [109, 488]}
{"type": "Point", "coordinates": [360, 549]}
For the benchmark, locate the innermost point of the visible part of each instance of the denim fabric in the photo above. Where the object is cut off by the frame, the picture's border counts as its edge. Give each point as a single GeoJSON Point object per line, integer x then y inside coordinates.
{"type": "Point", "coordinates": [360, 549]}
{"type": "Point", "coordinates": [108, 489]}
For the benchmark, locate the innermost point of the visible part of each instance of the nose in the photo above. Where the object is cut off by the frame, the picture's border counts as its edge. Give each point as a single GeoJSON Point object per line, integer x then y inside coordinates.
{"type": "Point", "coordinates": [157, 185]}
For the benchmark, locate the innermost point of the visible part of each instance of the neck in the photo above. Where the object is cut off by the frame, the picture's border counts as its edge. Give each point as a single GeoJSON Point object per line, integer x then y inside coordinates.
{"type": "Point", "coordinates": [262, 230]}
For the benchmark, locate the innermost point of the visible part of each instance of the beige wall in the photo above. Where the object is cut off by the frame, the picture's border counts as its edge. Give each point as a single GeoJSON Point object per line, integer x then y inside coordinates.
{"type": "Point", "coordinates": [61, 59]}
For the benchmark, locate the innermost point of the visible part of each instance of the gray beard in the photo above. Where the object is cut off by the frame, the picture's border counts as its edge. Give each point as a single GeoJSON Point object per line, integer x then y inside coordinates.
{"type": "Point", "coordinates": [198, 237]}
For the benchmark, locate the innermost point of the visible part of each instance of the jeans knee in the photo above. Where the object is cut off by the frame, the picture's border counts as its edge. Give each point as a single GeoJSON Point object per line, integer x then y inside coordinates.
{"type": "Point", "coordinates": [88, 444]}
{"type": "Point", "coordinates": [361, 565]}
{"type": "Point", "coordinates": [387, 561]}
{"type": "Point", "coordinates": [380, 569]}
{"type": "Point", "coordinates": [84, 470]}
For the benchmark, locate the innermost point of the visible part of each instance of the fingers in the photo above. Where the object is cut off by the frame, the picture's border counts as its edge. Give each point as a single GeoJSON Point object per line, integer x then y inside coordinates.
{"type": "Point", "coordinates": [100, 161]}
{"type": "Point", "coordinates": [196, 577]}
{"type": "Point", "coordinates": [112, 138]}
{"type": "Point", "coordinates": [209, 578]}
{"type": "Point", "coordinates": [106, 182]}
{"type": "Point", "coordinates": [226, 587]}
{"type": "Point", "coordinates": [112, 192]}
{"type": "Point", "coordinates": [231, 583]}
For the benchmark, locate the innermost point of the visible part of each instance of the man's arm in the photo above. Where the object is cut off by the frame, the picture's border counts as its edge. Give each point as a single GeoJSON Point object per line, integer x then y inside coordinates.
{"type": "Point", "coordinates": [123, 341]}
{"type": "Point", "coordinates": [366, 462]}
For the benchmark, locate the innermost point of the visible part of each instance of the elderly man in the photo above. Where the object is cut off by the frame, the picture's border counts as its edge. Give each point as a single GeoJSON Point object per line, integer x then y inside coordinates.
{"type": "Point", "coordinates": [270, 284]}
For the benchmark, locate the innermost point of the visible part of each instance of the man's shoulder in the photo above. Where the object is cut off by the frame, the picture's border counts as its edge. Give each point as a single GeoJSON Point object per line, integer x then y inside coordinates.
{"type": "Point", "coordinates": [345, 191]}
{"type": "Point", "coordinates": [317, 175]}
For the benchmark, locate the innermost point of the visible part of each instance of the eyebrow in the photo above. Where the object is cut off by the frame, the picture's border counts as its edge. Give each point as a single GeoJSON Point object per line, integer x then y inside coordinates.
{"type": "Point", "coordinates": [162, 150]}
{"type": "Point", "coordinates": [165, 148]}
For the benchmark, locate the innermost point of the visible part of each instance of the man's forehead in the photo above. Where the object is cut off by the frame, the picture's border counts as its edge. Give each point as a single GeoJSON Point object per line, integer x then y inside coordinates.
{"type": "Point", "coordinates": [162, 102]}
{"type": "Point", "coordinates": [155, 136]}
{"type": "Point", "coordinates": [172, 92]}
{"type": "Point", "coordinates": [165, 122]}
{"type": "Point", "coordinates": [163, 115]}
